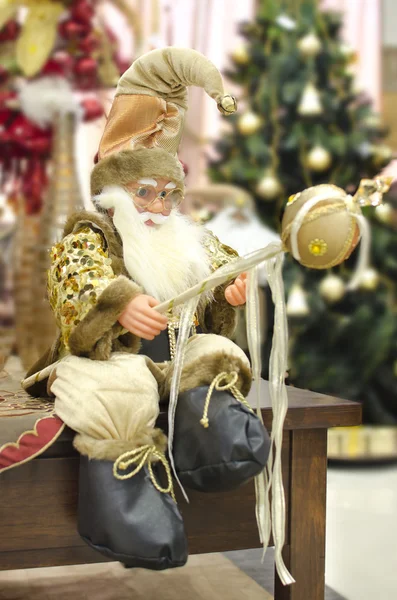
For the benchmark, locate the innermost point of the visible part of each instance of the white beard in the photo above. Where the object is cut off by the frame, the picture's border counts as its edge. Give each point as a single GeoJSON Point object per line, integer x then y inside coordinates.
{"type": "Point", "coordinates": [165, 260]}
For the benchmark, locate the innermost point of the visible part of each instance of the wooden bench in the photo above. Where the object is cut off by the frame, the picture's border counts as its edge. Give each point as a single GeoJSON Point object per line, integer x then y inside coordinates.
{"type": "Point", "coordinates": [38, 502]}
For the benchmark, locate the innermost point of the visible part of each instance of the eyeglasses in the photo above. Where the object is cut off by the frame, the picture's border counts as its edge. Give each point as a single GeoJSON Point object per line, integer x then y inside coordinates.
{"type": "Point", "coordinates": [146, 195]}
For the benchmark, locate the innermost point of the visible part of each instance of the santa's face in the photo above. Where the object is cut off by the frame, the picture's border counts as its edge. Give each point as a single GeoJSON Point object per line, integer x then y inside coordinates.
{"type": "Point", "coordinates": [154, 199]}
{"type": "Point", "coordinates": [162, 249]}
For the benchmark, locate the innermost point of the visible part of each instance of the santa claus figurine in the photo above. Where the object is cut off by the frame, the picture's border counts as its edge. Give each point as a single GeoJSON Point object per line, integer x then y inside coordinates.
{"type": "Point", "coordinates": [107, 275]}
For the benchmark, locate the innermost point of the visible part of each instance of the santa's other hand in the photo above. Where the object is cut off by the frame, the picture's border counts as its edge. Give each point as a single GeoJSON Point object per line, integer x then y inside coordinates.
{"type": "Point", "coordinates": [140, 318]}
{"type": "Point", "coordinates": [236, 293]}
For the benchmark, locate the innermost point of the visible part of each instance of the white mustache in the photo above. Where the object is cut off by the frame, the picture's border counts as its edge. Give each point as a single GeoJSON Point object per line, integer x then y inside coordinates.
{"type": "Point", "coordinates": [156, 218]}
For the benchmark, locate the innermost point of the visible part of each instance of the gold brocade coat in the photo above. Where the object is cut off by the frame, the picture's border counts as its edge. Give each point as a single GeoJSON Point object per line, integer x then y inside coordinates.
{"type": "Point", "coordinates": [89, 287]}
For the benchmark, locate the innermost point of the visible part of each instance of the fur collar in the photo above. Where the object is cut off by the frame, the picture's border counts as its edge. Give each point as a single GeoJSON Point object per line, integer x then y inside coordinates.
{"type": "Point", "coordinates": [104, 224]}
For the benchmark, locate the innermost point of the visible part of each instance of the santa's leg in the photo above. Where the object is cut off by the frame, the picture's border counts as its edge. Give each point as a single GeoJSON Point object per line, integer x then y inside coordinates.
{"type": "Point", "coordinates": [219, 442]}
{"type": "Point", "coordinates": [124, 511]}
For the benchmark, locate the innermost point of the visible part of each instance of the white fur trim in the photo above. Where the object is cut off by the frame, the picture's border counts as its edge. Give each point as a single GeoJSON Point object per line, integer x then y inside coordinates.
{"type": "Point", "coordinates": [43, 98]}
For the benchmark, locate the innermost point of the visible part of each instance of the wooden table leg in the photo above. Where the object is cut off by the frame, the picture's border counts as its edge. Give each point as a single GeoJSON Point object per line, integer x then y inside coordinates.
{"type": "Point", "coordinates": [305, 554]}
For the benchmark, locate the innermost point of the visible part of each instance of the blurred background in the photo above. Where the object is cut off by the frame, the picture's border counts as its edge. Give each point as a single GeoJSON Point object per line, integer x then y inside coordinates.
{"type": "Point", "coordinates": [316, 83]}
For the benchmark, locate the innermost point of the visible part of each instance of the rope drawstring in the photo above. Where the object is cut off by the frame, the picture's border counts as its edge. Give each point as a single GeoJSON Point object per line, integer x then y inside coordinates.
{"type": "Point", "coordinates": [230, 381]}
{"type": "Point", "coordinates": [141, 456]}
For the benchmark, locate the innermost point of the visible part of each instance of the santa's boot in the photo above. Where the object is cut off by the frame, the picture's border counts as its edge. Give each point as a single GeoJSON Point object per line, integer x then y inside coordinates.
{"type": "Point", "coordinates": [124, 512]}
{"type": "Point", "coordinates": [219, 442]}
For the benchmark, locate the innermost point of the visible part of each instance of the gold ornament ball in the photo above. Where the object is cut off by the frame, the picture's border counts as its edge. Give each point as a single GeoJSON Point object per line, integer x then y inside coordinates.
{"type": "Point", "coordinates": [319, 159]}
{"type": "Point", "coordinates": [332, 288]}
{"type": "Point", "coordinates": [369, 279]}
{"type": "Point", "coordinates": [327, 233]}
{"type": "Point", "coordinates": [240, 54]}
{"type": "Point", "coordinates": [383, 213]}
{"type": "Point", "coordinates": [269, 187]}
{"type": "Point", "coordinates": [309, 45]}
{"type": "Point", "coordinates": [249, 123]}
{"type": "Point", "coordinates": [382, 155]}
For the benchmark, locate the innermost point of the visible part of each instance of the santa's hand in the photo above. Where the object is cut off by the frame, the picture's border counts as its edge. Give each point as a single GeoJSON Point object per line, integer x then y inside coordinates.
{"type": "Point", "coordinates": [140, 318]}
{"type": "Point", "coordinates": [236, 293]}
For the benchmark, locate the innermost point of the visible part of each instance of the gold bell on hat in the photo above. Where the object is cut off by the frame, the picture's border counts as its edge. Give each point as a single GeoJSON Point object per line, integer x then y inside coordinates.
{"type": "Point", "coordinates": [321, 225]}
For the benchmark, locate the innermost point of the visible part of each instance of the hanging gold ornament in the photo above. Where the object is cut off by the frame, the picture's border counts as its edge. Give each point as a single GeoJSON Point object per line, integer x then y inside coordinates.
{"type": "Point", "coordinates": [269, 187]}
{"type": "Point", "coordinates": [249, 123]}
{"type": "Point", "coordinates": [369, 279]}
{"type": "Point", "coordinates": [319, 159]}
{"type": "Point", "coordinates": [309, 45]}
{"type": "Point", "coordinates": [373, 121]}
{"type": "Point", "coordinates": [384, 212]}
{"type": "Point", "coordinates": [297, 303]}
{"type": "Point", "coordinates": [332, 288]}
{"type": "Point", "coordinates": [348, 52]}
{"type": "Point", "coordinates": [310, 102]}
{"type": "Point", "coordinates": [381, 155]}
{"type": "Point", "coordinates": [320, 226]}
{"type": "Point", "coordinates": [240, 54]}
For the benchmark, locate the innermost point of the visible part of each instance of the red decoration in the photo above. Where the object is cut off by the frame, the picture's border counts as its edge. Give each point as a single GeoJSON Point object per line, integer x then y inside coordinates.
{"type": "Point", "coordinates": [71, 29]}
{"type": "Point", "coordinates": [89, 44]}
{"type": "Point", "coordinates": [56, 67]}
{"type": "Point", "coordinates": [37, 145]}
{"type": "Point", "coordinates": [93, 109]}
{"type": "Point", "coordinates": [85, 70]}
{"type": "Point", "coordinates": [5, 96]}
{"type": "Point", "coordinates": [82, 11]}
{"type": "Point", "coordinates": [33, 186]}
{"type": "Point", "coordinates": [4, 74]}
{"type": "Point", "coordinates": [86, 66]}
{"type": "Point", "coordinates": [10, 31]}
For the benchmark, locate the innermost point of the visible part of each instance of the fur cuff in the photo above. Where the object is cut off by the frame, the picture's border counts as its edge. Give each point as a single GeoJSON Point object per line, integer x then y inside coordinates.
{"type": "Point", "coordinates": [93, 336]}
{"type": "Point", "coordinates": [112, 449]}
{"type": "Point", "coordinates": [203, 371]}
{"type": "Point", "coordinates": [220, 317]}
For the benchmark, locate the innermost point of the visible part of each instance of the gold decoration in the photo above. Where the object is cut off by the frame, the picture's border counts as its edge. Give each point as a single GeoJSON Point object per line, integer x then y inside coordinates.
{"type": "Point", "coordinates": [269, 187]}
{"type": "Point", "coordinates": [80, 271]}
{"type": "Point", "coordinates": [249, 123]}
{"type": "Point", "coordinates": [8, 11]}
{"type": "Point", "coordinates": [384, 213]}
{"type": "Point", "coordinates": [228, 105]}
{"type": "Point", "coordinates": [63, 198]}
{"type": "Point", "coordinates": [332, 288]}
{"type": "Point", "coordinates": [319, 159]}
{"type": "Point", "coordinates": [38, 36]}
{"type": "Point", "coordinates": [318, 247]}
{"type": "Point", "coordinates": [310, 103]}
{"type": "Point", "coordinates": [369, 279]}
{"type": "Point", "coordinates": [370, 191]}
{"type": "Point", "coordinates": [297, 302]}
{"type": "Point", "coordinates": [240, 54]}
{"type": "Point", "coordinates": [329, 220]}
{"type": "Point", "coordinates": [381, 155]}
{"type": "Point", "coordinates": [309, 45]}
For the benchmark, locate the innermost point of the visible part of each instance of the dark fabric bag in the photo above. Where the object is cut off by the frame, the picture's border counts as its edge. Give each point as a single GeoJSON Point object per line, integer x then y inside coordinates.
{"type": "Point", "coordinates": [129, 521]}
{"type": "Point", "coordinates": [227, 453]}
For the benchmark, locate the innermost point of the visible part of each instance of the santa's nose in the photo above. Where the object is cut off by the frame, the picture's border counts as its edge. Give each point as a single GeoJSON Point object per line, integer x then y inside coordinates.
{"type": "Point", "coordinates": [157, 207]}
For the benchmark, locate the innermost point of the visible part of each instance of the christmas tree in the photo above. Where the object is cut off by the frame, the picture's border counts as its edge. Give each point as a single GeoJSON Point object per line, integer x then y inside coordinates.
{"type": "Point", "coordinates": [302, 122]}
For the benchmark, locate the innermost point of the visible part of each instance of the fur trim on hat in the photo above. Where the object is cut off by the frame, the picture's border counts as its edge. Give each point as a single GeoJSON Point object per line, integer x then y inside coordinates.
{"type": "Point", "coordinates": [126, 166]}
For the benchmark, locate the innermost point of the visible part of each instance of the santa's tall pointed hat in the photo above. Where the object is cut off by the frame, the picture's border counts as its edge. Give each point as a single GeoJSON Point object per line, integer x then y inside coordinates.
{"type": "Point", "coordinates": [145, 123]}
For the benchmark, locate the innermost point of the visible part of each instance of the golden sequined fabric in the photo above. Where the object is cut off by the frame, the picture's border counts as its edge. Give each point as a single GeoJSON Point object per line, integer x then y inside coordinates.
{"type": "Point", "coordinates": [80, 271]}
{"type": "Point", "coordinates": [219, 253]}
